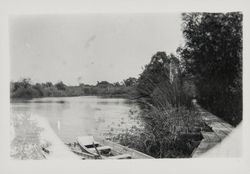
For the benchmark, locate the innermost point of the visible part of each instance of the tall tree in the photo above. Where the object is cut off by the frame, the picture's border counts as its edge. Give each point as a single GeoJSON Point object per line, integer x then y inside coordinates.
{"type": "Point", "coordinates": [213, 55]}
{"type": "Point", "coordinates": [154, 73]}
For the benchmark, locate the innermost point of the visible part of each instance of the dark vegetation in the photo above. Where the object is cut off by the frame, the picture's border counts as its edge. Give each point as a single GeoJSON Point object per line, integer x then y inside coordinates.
{"type": "Point", "coordinates": [171, 126]}
{"type": "Point", "coordinates": [26, 89]}
{"type": "Point", "coordinates": [208, 67]}
{"type": "Point", "coordinates": [212, 55]}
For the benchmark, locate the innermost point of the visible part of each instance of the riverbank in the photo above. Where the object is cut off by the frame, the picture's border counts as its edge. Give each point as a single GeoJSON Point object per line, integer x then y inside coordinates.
{"type": "Point", "coordinates": [27, 100]}
{"type": "Point", "coordinates": [172, 133]}
{"type": "Point", "coordinates": [213, 144]}
{"type": "Point", "coordinates": [33, 138]}
{"type": "Point", "coordinates": [25, 89]}
{"type": "Point", "coordinates": [158, 132]}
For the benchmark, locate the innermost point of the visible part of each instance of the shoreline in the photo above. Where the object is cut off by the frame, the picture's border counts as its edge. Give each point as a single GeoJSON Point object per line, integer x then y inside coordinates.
{"type": "Point", "coordinates": [101, 96]}
{"type": "Point", "coordinates": [32, 135]}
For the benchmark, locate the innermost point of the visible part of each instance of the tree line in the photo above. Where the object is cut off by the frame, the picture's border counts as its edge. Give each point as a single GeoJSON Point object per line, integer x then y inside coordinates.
{"type": "Point", "coordinates": [26, 89]}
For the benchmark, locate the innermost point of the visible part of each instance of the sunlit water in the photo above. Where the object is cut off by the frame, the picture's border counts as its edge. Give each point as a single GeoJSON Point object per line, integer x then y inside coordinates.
{"type": "Point", "coordinates": [70, 117]}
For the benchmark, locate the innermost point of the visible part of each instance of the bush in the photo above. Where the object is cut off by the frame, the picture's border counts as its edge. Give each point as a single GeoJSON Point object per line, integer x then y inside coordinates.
{"type": "Point", "coordinates": [167, 133]}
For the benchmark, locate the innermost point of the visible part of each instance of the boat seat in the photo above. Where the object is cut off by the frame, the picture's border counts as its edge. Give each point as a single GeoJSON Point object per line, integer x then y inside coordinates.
{"type": "Point", "coordinates": [86, 141]}
{"type": "Point", "coordinates": [123, 156]}
{"type": "Point", "coordinates": [101, 149]}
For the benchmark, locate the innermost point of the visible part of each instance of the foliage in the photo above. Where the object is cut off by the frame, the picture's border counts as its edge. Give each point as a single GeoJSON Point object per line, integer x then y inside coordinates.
{"type": "Point", "coordinates": [60, 86]}
{"type": "Point", "coordinates": [213, 56]}
{"type": "Point", "coordinates": [25, 89]}
{"type": "Point", "coordinates": [131, 81]}
{"type": "Point", "coordinates": [172, 128]}
{"type": "Point", "coordinates": [153, 74]}
{"type": "Point", "coordinates": [103, 84]}
{"type": "Point", "coordinates": [161, 82]}
{"type": "Point", "coordinates": [167, 133]}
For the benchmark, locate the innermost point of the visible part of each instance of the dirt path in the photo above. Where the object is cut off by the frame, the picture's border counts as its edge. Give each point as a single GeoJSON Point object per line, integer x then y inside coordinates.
{"type": "Point", "coordinates": [213, 143]}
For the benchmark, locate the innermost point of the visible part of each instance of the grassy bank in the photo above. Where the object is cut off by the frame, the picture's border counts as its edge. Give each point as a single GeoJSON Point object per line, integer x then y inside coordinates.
{"type": "Point", "coordinates": [175, 137]}
{"type": "Point", "coordinates": [171, 125]}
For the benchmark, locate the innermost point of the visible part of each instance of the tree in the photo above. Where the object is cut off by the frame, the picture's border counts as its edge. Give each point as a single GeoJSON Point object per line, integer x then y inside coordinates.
{"type": "Point", "coordinates": [103, 84]}
{"type": "Point", "coordinates": [40, 89]}
{"type": "Point", "coordinates": [23, 89]}
{"type": "Point", "coordinates": [213, 55]}
{"type": "Point", "coordinates": [153, 74]}
{"type": "Point", "coordinates": [160, 69]}
{"type": "Point", "coordinates": [161, 84]}
{"type": "Point", "coordinates": [60, 86]}
{"type": "Point", "coordinates": [117, 84]}
{"type": "Point", "coordinates": [48, 84]}
{"type": "Point", "coordinates": [131, 81]}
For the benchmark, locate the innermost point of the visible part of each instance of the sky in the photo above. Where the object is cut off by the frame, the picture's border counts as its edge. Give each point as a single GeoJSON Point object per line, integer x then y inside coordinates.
{"type": "Point", "coordinates": [87, 48]}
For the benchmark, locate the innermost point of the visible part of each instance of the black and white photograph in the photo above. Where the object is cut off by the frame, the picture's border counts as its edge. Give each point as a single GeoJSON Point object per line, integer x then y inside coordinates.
{"type": "Point", "coordinates": [125, 86]}
{"type": "Point", "coordinates": [108, 88]}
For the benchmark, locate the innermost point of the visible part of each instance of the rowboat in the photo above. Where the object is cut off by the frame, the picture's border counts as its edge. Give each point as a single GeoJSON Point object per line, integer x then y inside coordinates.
{"type": "Point", "coordinates": [89, 147]}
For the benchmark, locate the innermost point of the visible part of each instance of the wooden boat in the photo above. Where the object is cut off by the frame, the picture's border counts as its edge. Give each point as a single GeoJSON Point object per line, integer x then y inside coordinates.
{"type": "Point", "coordinates": [89, 148]}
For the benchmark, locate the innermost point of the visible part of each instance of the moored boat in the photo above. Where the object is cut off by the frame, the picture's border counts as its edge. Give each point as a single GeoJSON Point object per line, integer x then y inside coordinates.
{"type": "Point", "coordinates": [89, 147]}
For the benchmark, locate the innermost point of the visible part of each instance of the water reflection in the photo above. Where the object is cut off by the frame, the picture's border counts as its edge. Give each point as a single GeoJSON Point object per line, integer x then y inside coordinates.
{"type": "Point", "coordinates": [75, 116]}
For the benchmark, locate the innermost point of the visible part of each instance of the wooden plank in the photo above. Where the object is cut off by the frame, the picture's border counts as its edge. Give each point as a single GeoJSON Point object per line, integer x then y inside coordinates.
{"type": "Point", "coordinates": [206, 145]}
{"type": "Point", "coordinates": [220, 133]}
{"type": "Point", "coordinates": [84, 155]}
{"type": "Point", "coordinates": [101, 149]}
{"type": "Point", "coordinates": [210, 139]}
{"type": "Point", "coordinates": [123, 156]}
{"type": "Point", "coordinates": [210, 136]}
{"type": "Point", "coordinates": [225, 128]}
{"type": "Point", "coordinates": [226, 125]}
{"type": "Point", "coordinates": [85, 149]}
{"type": "Point", "coordinates": [119, 149]}
{"type": "Point", "coordinates": [222, 129]}
{"type": "Point", "coordinates": [86, 141]}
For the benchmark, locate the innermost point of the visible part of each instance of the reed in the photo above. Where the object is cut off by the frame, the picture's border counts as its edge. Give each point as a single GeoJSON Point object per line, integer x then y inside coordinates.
{"type": "Point", "coordinates": [171, 126]}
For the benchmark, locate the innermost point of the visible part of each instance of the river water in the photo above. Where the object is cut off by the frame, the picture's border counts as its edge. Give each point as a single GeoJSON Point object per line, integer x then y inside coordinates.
{"type": "Point", "coordinates": [70, 117]}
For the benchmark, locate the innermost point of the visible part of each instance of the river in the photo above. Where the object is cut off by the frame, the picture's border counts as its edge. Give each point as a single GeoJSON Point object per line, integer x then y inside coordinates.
{"type": "Point", "coordinates": [70, 117]}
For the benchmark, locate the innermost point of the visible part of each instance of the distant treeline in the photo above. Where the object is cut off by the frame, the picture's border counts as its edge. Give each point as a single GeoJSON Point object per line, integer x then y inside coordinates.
{"type": "Point", "coordinates": [26, 89]}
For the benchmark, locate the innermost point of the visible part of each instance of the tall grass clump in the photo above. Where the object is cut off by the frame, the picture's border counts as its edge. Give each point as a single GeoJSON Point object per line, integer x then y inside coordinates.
{"type": "Point", "coordinates": [171, 126]}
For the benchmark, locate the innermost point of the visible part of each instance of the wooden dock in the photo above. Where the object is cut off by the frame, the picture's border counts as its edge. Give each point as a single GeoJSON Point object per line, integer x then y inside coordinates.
{"type": "Point", "coordinates": [220, 130]}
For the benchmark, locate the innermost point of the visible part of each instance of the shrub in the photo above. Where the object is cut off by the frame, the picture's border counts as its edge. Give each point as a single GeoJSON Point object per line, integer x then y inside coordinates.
{"type": "Point", "coordinates": [167, 133]}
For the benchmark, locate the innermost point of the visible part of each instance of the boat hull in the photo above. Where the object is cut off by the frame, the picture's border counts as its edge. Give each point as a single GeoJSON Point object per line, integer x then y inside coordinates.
{"type": "Point", "coordinates": [117, 150]}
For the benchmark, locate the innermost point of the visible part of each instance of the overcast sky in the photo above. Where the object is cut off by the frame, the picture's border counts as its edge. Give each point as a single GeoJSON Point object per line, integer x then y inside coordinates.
{"type": "Point", "coordinates": [89, 48]}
